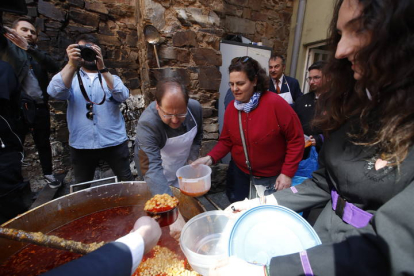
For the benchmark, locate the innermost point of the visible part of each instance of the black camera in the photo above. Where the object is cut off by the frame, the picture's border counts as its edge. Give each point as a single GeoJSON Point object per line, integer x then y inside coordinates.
{"type": "Point", "coordinates": [87, 53]}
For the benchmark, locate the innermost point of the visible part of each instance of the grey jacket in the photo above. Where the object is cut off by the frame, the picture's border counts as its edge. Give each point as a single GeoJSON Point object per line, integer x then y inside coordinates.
{"type": "Point", "coordinates": [151, 137]}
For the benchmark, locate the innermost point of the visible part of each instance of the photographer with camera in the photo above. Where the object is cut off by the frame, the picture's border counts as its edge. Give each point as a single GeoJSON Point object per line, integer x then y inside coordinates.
{"type": "Point", "coordinates": [18, 47]}
{"type": "Point", "coordinates": [96, 125]}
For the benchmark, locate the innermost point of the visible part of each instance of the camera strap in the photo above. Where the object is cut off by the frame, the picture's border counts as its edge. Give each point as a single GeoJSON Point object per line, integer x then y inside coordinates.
{"type": "Point", "coordinates": [82, 88]}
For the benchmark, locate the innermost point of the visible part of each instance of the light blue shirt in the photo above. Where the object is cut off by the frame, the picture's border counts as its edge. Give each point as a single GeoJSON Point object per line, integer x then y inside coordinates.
{"type": "Point", "coordinates": [107, 128]}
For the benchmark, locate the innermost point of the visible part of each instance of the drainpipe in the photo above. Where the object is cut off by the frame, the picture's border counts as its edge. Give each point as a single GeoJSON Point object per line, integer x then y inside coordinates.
{"type": "Point", "coordinates": [296, 40]}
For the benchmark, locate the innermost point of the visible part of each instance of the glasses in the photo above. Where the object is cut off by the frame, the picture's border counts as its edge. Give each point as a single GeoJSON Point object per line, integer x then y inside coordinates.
{"type": "Point", "coordinates": [170, 116]}
{"type": "Point", "coordinates": [89, 114]}
{"type": "Point", "coordinates": [315, 78]}
{"type": "Point", "coordinates": [240, 59]}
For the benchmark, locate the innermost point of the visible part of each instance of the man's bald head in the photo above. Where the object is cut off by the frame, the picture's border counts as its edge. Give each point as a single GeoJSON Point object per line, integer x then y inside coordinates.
{"type": "Point", "coordinates": [170, 86]}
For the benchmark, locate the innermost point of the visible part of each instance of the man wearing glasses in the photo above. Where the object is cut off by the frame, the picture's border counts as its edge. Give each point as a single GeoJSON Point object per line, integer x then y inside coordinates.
{"type": "Point", "coordinates": [169, 135]}
{"type": "Point", "coordinates": [96, 125]}
{"type": "Point", "coordinates": [305, 106]}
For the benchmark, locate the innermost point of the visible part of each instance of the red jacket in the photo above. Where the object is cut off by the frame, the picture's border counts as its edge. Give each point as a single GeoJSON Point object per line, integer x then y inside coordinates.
{"type": "Point", "coordinates": [273, 133]}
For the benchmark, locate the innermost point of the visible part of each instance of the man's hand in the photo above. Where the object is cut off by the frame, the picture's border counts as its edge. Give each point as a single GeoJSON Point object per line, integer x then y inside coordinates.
{"type": "Point", "coordinates": [17, 39]}
{"type": "Point", "coordinates": [149, 230]}
{"type": "Point", "coordinates": [283, 182]}
{"type": "Point", "coordinates": [177, 227]}
{"type": "Point", "coordinates": [312, 140]}
{"type": "Point", "coordinates": [99, 58]}
{"type": "Point", "coordinates": [207, 160]}
{"type": "Point", "coordinates": [243, 205]}
{"type": "Point", "coordinates": [74, 55]}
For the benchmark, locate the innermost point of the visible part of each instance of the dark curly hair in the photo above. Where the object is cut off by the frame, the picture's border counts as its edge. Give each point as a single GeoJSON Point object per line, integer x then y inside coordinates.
{"type": "Point", "coordinates": [252, 69]}
{"type": "Point", "coordinates": [387, 65]}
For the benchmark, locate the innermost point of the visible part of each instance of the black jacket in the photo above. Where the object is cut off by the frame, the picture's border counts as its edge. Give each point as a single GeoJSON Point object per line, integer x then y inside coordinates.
{"type": "Point", "coordinates": [41, 62]}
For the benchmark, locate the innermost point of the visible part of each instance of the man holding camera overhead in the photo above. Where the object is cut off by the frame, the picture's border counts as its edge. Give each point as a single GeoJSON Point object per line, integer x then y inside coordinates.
{"type": "Point", "coordinates": [96, 125]}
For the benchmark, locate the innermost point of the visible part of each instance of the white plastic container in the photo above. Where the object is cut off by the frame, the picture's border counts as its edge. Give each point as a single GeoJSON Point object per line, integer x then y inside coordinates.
{"type": "Point", "coordinates": [204, 239]}
{"type": "Point", "coordinates": [194, 181]}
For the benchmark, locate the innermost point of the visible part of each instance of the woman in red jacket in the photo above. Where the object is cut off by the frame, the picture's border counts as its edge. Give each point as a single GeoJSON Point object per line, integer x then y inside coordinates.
{"type": "Point", "coordinates": [272, 131]}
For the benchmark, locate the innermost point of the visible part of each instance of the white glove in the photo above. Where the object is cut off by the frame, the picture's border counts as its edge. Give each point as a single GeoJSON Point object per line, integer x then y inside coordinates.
{"type": "Point", "coordinates": [236, 266]}
{"type": "Point", "coordinates": [248, 204]}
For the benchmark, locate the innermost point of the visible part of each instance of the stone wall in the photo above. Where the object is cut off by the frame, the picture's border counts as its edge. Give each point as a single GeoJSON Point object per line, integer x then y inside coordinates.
{"type": "Point", "coordinates": [190, 33]}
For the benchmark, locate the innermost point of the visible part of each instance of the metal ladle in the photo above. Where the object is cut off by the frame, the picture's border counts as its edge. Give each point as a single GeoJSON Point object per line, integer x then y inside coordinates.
{"type": "Point", "coordinates": [152, 37]}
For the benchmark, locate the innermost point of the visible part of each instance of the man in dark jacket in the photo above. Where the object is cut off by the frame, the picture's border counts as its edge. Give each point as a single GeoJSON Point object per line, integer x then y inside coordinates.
{"type": "Point", "coordinates": [305, 106]}
{"type": "Point", "coordinates": [15, 195]}
{"type": "Point", "coordinates": [32, 67]}
{"type": "Point", "coordinates": [288, 88]}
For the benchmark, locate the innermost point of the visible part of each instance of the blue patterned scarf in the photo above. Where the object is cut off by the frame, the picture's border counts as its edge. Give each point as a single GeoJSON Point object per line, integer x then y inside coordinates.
{"type": "Point", "coordinates": [249, 106]}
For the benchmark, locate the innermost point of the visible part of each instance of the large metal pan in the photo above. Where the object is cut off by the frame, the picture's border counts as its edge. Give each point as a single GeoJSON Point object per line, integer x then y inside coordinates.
{"type": "Point", "coordinates": [63, 210]}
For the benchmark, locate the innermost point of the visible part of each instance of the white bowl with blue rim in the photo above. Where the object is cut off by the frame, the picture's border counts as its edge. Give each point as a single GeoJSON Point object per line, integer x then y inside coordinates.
{"type": "Point", "coordinates": [269, 231]}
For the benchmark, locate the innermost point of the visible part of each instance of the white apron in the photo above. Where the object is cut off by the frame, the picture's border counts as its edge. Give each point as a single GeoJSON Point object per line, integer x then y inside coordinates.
{"type": "Point", "coordinates": [287, 95]}
{"type": "Point", "coordinates": [175, 153]}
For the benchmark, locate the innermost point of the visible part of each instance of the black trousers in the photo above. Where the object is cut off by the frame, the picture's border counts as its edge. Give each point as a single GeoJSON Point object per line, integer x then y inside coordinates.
{"type": "Point", "coordinates": [41, 136]}
{"type": "Point", "coordinates": [15, 195]}
{"type": "Point", "coordinates": [85, 161]}
{"type": "Point", "coordinates": [237, 183]}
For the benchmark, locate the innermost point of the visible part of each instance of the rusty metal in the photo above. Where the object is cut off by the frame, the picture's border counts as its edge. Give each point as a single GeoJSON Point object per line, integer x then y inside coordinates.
{"type": "Point", "coordinates": [63, 210]}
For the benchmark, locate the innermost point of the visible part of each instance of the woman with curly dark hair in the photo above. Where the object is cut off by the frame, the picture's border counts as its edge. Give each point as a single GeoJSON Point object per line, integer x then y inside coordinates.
{"type": "Point", "coordinates": [366, 177]}
{"type": "Point", "coordinates": [272, 131]}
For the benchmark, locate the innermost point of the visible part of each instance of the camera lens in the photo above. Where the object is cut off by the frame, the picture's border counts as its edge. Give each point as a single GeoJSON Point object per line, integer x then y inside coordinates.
{"type": "Point", "coordinates": [87, 53]}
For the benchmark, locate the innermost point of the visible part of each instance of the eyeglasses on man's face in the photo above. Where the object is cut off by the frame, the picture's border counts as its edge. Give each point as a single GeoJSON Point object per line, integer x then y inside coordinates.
{"type": "Point", "coordinates": [89, 114]}
{"type": "Point", "coordinates": [170, 116]}
{"type": "Point", "coordinates": [315, 78]}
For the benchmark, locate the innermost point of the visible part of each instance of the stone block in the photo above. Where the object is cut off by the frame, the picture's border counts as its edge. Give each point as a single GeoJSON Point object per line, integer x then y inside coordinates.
{"type": "Point", "coordinates": [32, 11]}
{"type": "Point", "coordinates": [105, 29]}
{"type": "Point", "coordinates": [206, 57]}
{"type": "Point", "coordinates": [166, 52]}
{"type": "Point", "coordinates": [211, 128]}
{"type": "Point", "coordinates": [132, 39]}
{"type": "Point", "coordinates": [206, 147]}
{"type": "Point", "coordinates": [242, 3]}
{"type": "Point", "coordinates": [121, 64]}
{"type": "Point", "coordinates": [187, 38]}
{"type": "Point", "coordinates": [134, 84]}
{"type": "Point", "coordinates": [81, 30]}
{"type": "Point", "coordinates": [183, 56]}
{"type": "Point", "coordinates": [108, 40]}
{"type": "Point", "coordinates": [84, 17]}
{"type": "Point", "coordinates": [49, 10]}
{"type": "Point", "coordinates": [192, 15]}
{"type": "Point", "coordinates": [255, 5]}
{"type": "Point", "coordinates": [239, 25]}
{"type": "Point", "coordinates": [154, 13]}
{"type": "Point", "coordinates": [258, 16]}
{"type": "Point", "coordinates": [96, 7]}
{"type": "Point", "coordinates": [210, 136]}
{"type": "Point", "coordinates": [77, 3]}
{"type": "Point", "coordinates": [158, 74]}
{"type": "Point", "coordinates": [230, 10]}
{"type": "Point", "coordinates": [210, 78]}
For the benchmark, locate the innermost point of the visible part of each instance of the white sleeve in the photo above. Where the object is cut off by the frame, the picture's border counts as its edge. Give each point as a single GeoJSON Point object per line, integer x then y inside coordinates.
{"type": "Point", "coordinates": [136, 245]}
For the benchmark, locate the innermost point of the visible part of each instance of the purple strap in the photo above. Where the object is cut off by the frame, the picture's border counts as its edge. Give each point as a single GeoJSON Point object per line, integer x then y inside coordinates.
{"type": "Point", "coordinates": [307, 269]}
{"type": "Point", "coordinates": [351, 214]}
{"type": "Point", "coordinates": [294, 190]}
